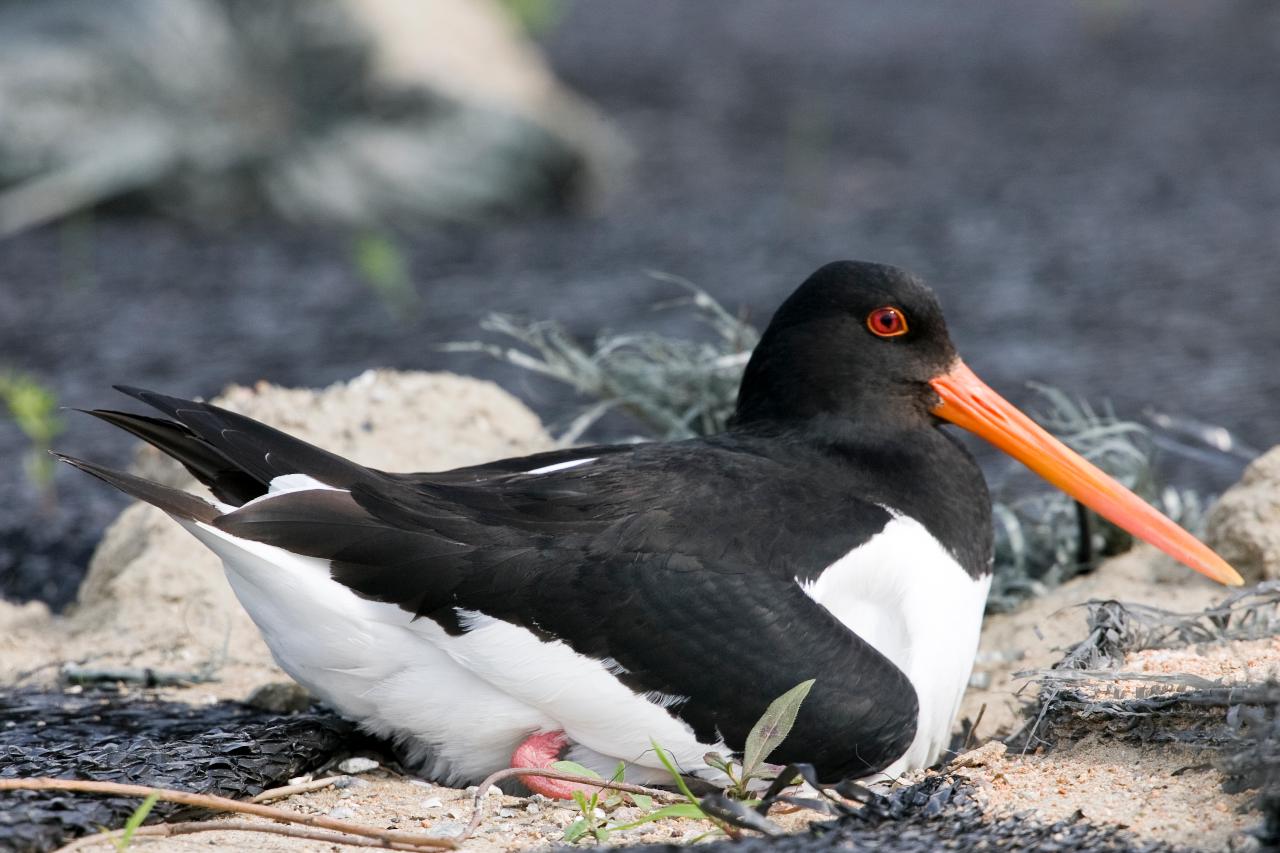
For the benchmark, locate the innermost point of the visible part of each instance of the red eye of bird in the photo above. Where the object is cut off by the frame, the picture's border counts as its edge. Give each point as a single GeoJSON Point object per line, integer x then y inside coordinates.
{"type": "Point", "coordinates": [887, 322]}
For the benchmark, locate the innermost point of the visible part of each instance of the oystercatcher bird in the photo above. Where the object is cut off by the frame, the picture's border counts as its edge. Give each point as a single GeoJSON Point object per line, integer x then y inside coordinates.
{"type": "Point", "coordinates": [586, 602]}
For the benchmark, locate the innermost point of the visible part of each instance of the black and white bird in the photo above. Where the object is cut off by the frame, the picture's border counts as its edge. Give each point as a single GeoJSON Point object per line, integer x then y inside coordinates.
{"type": "Point", "coordinates": [590, 601]}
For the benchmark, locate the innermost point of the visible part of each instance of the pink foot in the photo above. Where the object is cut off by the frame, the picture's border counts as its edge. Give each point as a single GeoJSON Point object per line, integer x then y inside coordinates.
{"type": "Point", "coordinates": [541, 751]}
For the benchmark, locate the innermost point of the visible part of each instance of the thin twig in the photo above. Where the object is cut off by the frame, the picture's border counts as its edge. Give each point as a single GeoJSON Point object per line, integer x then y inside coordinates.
{"type": "Point", "coordinates": [167, 830]}
{"type": "Point", "coordinates": [968, 738]}
{"type": "Point", "coordinates": [300, 788]}
{"type": "Point", "coordinates": [477, 813]}
{"type": "Point", "coordinates": [224, 804]}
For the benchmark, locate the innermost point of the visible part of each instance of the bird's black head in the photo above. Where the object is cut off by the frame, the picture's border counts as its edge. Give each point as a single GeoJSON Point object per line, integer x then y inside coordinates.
{"type": "Point", "coordinates": [863, 348]}
{"type": "Point", "coordinates": [858, 341]}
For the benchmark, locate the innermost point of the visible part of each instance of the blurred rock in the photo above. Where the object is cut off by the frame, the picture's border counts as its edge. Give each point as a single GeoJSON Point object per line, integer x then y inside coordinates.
{"type": "Point", "coordinates": [1244, 525]}
{"type": "Point", "coordinates": [280, 697]}
{"type": "Point", "coordinates": [155, 597]}
{"type": "Point", "coordinates": [360, 112]}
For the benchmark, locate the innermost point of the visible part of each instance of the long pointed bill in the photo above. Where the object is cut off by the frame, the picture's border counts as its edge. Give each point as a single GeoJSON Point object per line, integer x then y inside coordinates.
{"type": "Point", "coordinates": [968, 402]}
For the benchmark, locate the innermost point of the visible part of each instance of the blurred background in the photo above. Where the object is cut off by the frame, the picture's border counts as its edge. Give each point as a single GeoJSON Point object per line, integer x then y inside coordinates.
{"type": "Point", "coordinates": [201, 192]}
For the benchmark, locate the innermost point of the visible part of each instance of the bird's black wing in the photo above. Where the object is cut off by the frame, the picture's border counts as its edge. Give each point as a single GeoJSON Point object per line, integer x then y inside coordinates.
{"type": "Point", "coordinates": [237, 457]}
{"type": "Point", "coordinates": [679, 562]}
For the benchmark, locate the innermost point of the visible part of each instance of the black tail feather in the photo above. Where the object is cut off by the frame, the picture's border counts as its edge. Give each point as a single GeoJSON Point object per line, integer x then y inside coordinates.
{"type": "Point", "coordinates": [207, 464]}
{"type": "Point", "coordinates": [172, 501]}
{"type": "Point", "coordinates": [258, 451]}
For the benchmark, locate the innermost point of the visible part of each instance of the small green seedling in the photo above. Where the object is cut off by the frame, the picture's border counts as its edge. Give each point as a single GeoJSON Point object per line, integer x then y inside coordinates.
{"type": "Point", "coordinates": [135, 820]}
{"type": "Point", "coordinates": [765, 736]}
{"type": "Point", "coordinates": [591, 823]}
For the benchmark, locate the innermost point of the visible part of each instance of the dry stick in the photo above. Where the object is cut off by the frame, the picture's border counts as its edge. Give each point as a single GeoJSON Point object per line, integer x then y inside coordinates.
{"type": "Point", "coordinates": [167, 830]}
{"type": "Point", "coordinates": [300, 788]}
{"type": "Point", "coordinates": [224, 804]}
{"type": "Point", "coordinates": [968, 738]}
{"type": "Point", "coordinates": [477, 805]}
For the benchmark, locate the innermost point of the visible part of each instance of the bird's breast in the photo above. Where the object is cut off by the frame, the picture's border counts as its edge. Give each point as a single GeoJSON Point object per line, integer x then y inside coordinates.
{"type": "Point", "coordinates": [908, 596]}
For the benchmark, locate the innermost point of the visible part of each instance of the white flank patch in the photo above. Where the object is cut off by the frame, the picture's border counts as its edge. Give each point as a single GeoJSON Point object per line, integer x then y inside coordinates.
{"type": "Point", "coordinates": [561, 466]}
{"type": "Point", "coordinates": [595, 709]}
{"type": "Point", "coordinates": [907, 596]}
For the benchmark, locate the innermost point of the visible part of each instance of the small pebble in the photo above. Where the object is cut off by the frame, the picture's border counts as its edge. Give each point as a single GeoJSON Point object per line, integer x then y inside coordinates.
{"type": "Point", "coordinates": [431, 803]}
{"type": "Point", "coordinates": [344, 782]}
{"type": "Point", "coordinates": [298, 780]}
{"type": "Point", "coordinates": [342, 813]}
{"type": "Point", "coordinates": [447, 828]}
{"type": "Point", "coordinates": [358, 764]}
{"type": "Point", "coordinates": [533, 808]}
{"type": "Point", "coordinates": [504, 812]}
{"type": "Point", "coordinates": [454, 813]}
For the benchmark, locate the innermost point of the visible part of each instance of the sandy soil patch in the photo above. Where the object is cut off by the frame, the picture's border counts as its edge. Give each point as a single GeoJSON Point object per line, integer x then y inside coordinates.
{"type": "Point", "coordinates": [1160, 792]}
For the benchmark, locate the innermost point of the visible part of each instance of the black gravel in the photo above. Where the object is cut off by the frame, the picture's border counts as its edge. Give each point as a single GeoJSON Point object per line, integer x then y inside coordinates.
{"type": "Point", "coordinates": [227, 749]}
{"type": "Point", "coordinates": [1093, 188]}
{"type": "Point", "coordinates": [940, 814]}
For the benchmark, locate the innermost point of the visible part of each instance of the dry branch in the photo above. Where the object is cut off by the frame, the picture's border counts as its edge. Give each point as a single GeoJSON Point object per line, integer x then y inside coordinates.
{"type": "Point", "coordinates": [223, 804]}
{"type": "Point", "coordinates": [169, 830]}
{"type": "Point", "coordinates": [300, 788]}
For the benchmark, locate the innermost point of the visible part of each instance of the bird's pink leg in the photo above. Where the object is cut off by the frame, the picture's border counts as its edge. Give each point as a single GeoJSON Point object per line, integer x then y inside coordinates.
{"type": "Point", "coordinates": [543, 750]}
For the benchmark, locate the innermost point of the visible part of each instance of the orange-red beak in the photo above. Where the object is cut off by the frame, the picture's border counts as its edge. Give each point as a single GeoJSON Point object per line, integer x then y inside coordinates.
{"type": "Point", "coordinates": [969, 403]}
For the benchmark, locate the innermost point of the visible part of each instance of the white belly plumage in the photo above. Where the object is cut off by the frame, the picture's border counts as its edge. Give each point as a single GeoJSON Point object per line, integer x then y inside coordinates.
{"type": "Point", "coordinates": [905, 594]}
{"type": "Point", "coordinates": [460, 705]}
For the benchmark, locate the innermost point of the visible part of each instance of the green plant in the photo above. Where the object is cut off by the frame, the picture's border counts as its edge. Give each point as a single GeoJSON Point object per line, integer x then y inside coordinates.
{"type": "Point", "coordinates": [536, 17]}
{"type": "Point", "coordinates": [765, 736]}
{"type": "Point", "coordinates": [382, 265]}
{"type": "Point", "coordinates": [675, 388]}
{"type": "Point", "coordinates": [592, 808]}
{"type": "Point", "coordinates": [135, 820]}
{"type": "Point", "coordinates": [34, 408]}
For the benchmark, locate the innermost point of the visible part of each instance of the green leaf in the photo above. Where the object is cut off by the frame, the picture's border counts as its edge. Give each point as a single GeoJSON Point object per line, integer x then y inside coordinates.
{"type": "Point", "coordinates": [675, 774]}
{"type": "Point", "coordinates": [642, 800]}
{"type": "Point", "coordinates": [772, 728]}
{"type": "Point", "coordinates": [581, 799]}
{"type": "Point", "coordinates": [576, 830]}
{"type": "Point", "coordinates": [135, 820]}
{"type": "Point", "coordinates": [719, 762]}
{"type": "Point", "coordinates": [574, 768]}
{"type": "Point", "coordinates": [679, 810]}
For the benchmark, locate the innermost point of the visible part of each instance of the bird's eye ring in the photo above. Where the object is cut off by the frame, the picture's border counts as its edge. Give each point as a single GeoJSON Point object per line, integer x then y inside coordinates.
{"type": "Point", "coordinates": [887, 322]}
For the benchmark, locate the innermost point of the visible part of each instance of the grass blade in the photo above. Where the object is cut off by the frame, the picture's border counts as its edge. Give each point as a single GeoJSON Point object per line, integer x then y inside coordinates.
{"type": "Point", "coordinates": [135, 820]}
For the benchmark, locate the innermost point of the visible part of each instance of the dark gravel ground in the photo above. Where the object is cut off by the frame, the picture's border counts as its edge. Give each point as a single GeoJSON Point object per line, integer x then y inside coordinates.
{"type": "Point", "coordinates": [227, 749]}
{"type": "Point", "coordinates": [939, 814]}
{"type": "Point", "coordinates": [1092, 187]}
